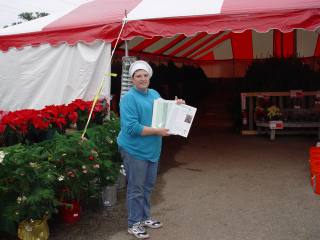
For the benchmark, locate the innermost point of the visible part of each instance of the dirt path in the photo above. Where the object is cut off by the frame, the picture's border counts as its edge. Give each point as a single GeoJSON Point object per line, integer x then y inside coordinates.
{"type": "Point", "coordinates": [221, 186]}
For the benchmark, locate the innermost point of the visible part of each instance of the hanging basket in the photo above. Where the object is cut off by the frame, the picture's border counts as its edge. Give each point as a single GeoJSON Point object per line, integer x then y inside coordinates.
{"type": "Point", "coordinates": [34, 229]}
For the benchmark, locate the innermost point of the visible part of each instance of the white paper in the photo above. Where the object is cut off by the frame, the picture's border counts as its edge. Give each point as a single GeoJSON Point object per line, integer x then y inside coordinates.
{"type": "Point", "coordinates": [177, 118]}
{"type": "Point", "coordinates": [161, 109]}
{"type": "Point", "coordinates": [180, 119]}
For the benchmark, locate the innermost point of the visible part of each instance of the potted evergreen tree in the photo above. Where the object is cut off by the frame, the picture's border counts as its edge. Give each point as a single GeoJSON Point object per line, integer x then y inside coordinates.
{"type": "Point", "coordinates": [28, 182]}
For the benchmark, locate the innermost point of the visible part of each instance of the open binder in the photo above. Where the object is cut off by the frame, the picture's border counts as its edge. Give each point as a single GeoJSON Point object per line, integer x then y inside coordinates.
{"type": "Point", "coordinates": [177, 118]}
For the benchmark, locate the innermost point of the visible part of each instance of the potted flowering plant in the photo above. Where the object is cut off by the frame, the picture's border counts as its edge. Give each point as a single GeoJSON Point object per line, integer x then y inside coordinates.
{"type": "Point", "coordinates": [100, 111]}
{"type": "Point", "coordinates": [259, 113]}
{"type": "Point", "coordinates": [57, 116]}
{"type": "Point", "coordinates": [38, 127]}
{"type": "Point", "coordinates": [273, 113]}
{"type": "Point", "coordinates": [14, 127]}
{"type": "Point", "coordinates": [32, 126]}
{"type": "Point", "coordinates": [82, 109]}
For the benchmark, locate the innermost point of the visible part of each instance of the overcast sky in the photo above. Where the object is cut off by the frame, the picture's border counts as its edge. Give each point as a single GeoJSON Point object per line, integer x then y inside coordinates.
{"type": "Point", "coordinates": [10, 9]}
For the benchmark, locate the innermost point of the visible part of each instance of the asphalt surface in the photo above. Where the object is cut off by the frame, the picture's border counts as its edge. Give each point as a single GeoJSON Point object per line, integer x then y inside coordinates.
{"type": "Point", "coordinates": [217, 185]}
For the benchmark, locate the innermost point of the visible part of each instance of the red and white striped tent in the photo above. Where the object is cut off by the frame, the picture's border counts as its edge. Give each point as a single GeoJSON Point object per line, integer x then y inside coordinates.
{"type": "Point", "coordinates": [195, 30]}
{"type": "Point", "coordinates": [188, 25]}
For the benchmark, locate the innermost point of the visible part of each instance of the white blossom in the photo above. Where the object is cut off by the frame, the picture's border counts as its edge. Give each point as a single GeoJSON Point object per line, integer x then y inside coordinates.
{"type": "Point", "coordinates": [2, 155]}
{"type": "Point", "coordinates": [122, 170]}
{"type": "Point", "coordinates": [94, 153]}
{"type": "Point", "coordinates": [33, 164]}
{"type": "Point", "coordinates": [60, 178]}
{"type": "Point", "coordinates": [96, 166]}
{"type": "Point", "coordinates": [21, 199]}
{"type": "Point", "coordinates": [109, 140]}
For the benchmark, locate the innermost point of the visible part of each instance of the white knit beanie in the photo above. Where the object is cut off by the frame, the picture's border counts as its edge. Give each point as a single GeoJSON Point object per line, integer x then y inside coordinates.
{"type": "Point", "coordinates": [140, 65]}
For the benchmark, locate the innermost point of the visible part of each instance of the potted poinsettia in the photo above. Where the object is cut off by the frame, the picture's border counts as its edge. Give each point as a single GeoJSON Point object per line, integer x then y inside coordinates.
{"type": "Point", "coordinates": [15, 126]}
{"type": "Point", "coordinates": [100, 111]}
{"type": "Point", "coordinates": [259, 113]}
{"type": "Point", "coordinates": [82, 109]}
{"type": "Point", "coordinates": [57, 115]}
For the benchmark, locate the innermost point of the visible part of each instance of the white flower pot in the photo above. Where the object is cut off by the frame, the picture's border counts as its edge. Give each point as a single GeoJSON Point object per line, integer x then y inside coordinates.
{"type": "Point", "coordinates": [109, 196]}
{"type": "Point", "coordinates": [121, 181]}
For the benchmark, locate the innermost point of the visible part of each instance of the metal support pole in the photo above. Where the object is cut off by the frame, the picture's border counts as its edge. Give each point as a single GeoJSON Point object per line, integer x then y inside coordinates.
{"type": "Point", "coordinates": [126, 48]}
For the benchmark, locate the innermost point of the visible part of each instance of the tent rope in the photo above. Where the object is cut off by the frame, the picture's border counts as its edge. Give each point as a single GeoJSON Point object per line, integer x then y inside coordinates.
{"type": "Point", "coordinates": [102, 82]}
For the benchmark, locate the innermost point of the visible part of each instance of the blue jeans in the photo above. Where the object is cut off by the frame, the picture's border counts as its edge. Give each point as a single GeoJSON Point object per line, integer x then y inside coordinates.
{"type": "Point", "coordinates": [141, 176]}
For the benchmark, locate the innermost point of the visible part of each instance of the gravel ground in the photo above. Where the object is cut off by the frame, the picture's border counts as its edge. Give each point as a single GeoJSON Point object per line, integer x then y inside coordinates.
{"type": "Point", "coordinates": [217, 185]}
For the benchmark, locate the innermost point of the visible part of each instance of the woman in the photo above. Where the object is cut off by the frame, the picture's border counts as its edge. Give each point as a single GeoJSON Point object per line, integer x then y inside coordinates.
{"type": "Point", "coordinates": [140, 148]}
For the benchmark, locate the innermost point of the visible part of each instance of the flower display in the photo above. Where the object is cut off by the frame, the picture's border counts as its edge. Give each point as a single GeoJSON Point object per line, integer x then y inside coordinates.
{"type": "Point", "coordinates": [32, 126]}
{"type": "Point", "coordinates": [36, 179]}
{"type": "Point", "coordinates": [274, 113]}
{"type": "Point", "coordinates": [260, 113]}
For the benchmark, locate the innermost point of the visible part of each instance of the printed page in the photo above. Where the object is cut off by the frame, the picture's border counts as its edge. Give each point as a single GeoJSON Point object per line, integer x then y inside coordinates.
{"type": "Point", "coordinates": [180, 119]}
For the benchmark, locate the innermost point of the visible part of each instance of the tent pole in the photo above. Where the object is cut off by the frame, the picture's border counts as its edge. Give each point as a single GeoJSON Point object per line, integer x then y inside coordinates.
{"type": "Point", "coordinates": [295, 50]}
{"type": "Point", "coordinates": [102, 82]}
{"type": "Point", "coordinates": [126, 48]}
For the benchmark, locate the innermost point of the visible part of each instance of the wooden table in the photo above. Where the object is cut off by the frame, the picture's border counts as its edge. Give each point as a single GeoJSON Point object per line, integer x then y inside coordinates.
{"type": "Point", "coordinates": [288, 125]}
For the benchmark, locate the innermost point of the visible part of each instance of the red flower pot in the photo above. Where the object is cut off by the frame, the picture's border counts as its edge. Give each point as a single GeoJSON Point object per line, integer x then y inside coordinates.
{"type": "Point", "coordinates": [70, 211]}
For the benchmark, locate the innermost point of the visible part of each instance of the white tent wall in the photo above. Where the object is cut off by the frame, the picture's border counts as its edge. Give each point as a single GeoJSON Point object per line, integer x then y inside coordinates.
{"type": "Point", "coordinates": [306, 43]}
{"type": "Point", "coordinates": [34, 77]}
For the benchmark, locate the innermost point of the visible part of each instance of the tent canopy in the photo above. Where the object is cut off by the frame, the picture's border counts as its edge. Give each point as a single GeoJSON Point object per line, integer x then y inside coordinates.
{"type": "Point", "coordinates": [102, 19]}
{"type": "Point", "coordinates": [197, 30]}
{"type": "Point", "coordinates": [228, 45]}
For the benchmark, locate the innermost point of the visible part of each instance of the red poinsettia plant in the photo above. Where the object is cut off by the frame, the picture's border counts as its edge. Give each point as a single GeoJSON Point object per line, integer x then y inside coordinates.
{"type": "Point", "coordinates": [80, 110]}
{"type": "Point", "coordinates": [30, 125]}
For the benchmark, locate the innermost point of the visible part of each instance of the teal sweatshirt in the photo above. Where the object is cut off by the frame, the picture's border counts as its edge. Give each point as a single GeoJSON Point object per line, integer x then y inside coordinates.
{"type": "Point", "coordinates": [135, 113]}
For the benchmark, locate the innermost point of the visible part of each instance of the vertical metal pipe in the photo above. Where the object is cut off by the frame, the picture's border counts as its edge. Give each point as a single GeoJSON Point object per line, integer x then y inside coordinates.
{"type": "Point", "coordinates": [295, 49]}
{"type": "Point", "coordinates": [126, 48]}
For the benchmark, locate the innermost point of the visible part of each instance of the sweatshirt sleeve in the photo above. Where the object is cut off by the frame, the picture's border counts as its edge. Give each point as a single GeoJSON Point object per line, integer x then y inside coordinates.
{"type": "Point", "coordinates": [130, 117]}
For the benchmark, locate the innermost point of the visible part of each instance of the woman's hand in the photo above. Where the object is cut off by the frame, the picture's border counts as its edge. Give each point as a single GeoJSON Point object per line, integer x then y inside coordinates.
{"type": "Point", "coordinates": [147, 131]}
{"type": "Point", "coordinates": [179, 101]}
{"type": "Point", "coordinates": [162, 132]}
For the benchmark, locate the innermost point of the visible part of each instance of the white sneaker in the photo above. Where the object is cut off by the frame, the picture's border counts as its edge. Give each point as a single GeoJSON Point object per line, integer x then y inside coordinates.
{"type": "Point", "coordinates": [138, 231]}
{"type": "Point", "coordinates": [151, 223]}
